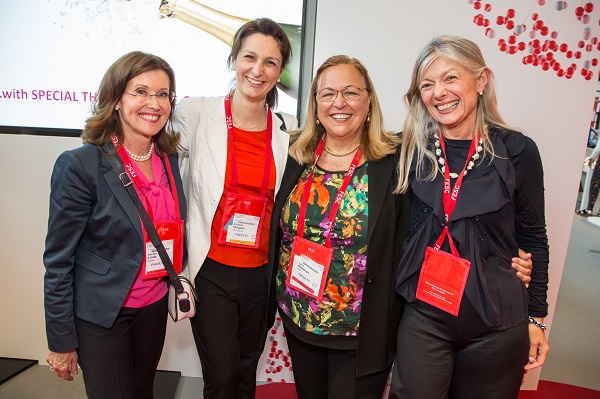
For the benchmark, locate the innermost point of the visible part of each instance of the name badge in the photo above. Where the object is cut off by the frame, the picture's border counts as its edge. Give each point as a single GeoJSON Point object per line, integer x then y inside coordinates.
{"type": "Point", "coordinates": [442, 280]}
{"type": "Point", "coordinates": [171, 236]}
{"type": "Point", "coordinates": [308, 267]}
{"type": "Point", "coordinates": [243, 217]}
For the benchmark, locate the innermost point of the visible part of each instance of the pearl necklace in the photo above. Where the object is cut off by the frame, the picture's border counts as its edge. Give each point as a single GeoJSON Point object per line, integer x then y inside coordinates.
{"type": "Point", "coordinates": [441, 161]}
{"type": "Point", "coordinates": [140, 158]}
{"type": "Point", "coordinates": [337, 154]}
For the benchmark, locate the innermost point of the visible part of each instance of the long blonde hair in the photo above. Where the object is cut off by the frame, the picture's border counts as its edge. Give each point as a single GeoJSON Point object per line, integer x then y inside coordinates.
{"type": "Point", "coordinates": [420, 126]}
{"type": "Point", "coordinates": [375, 140]}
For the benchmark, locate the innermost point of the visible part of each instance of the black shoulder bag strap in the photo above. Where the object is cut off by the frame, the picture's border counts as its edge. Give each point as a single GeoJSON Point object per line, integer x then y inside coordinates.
{"type": "Point", "coordinates": [184, 303]}
{"type": "Point", "coordinates": [282, 121]}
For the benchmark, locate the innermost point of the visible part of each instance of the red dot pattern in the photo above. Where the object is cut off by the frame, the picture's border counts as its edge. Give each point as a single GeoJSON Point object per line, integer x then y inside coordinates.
{"type": "Point", "coordinates": [550, 36]}
{"type": "Point", "coordinates": [277, 365]}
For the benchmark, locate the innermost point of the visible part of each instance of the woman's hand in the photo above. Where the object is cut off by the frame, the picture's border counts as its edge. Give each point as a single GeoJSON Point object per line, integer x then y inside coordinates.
{"type": "Point", "coordinates": [523, 266]}
{"type": "Point", "coordinates": [63, 364]}
{"type": "Point", "coordinates": [538, 346]}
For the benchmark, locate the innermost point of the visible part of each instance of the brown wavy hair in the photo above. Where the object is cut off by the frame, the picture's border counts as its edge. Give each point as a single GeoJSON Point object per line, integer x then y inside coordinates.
{"type": "Point", "coordinates": [105, 121]}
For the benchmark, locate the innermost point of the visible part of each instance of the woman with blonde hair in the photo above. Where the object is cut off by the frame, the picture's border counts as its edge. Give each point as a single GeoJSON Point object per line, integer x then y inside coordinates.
{"type": "Point", "coordinates": [336, 239]}
{"type": "Point", "coordinates": [470, 326]}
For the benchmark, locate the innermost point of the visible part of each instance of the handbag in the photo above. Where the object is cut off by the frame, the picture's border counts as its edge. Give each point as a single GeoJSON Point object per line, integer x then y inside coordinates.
{"type": "Point", "coordinates": [176, 311]}
{"type": "Point", "coordinates": [182, 295]}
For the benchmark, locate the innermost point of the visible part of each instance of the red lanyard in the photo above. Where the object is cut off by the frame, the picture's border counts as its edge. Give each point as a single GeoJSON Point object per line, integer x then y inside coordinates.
{"type": "Point", "coordinates": [450, 195]}
{"type": "Point", "coordinates": [268, 150]}
{"type": "Point", "coordinates": [338, 197]}
{"type": "Point", "coordinates": [128, 166]}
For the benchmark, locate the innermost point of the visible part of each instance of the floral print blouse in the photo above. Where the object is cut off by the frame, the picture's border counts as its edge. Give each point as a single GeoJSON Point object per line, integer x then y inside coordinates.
{"type": "Point", "coordinates": [338, 313]}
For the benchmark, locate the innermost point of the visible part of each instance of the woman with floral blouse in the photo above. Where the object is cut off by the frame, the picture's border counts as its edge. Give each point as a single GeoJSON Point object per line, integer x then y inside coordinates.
{"type": "Point", "coordinates": [336, 238]}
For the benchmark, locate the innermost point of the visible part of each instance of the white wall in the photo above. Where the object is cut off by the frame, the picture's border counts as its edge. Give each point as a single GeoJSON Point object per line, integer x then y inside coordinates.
{"type": "Point", "coordinates": [25, 167]}
{"type": "Point", "coordinates": [386, 35]}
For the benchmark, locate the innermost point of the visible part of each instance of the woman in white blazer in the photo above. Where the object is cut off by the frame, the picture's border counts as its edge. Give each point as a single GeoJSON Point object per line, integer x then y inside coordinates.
{"type": "Point", "coordinates": [236, 149]}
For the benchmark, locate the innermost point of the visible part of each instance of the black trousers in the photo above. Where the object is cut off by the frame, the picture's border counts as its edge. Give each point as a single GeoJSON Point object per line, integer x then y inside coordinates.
{"type": "Point", "coordinates": [443, 356]}
{"type": "Point", "coordinates": [228, 328]}
{"type": "Point", "coordinates": [120, 362]}
{"type": "Point", "coordinates": [323, 373]}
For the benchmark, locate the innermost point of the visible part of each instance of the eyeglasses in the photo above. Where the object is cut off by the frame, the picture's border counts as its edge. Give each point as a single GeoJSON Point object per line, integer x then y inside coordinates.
{"type": "Point", "coordinates": [141, 95]}
{"type": "Point", "coordinates": [350, 93]}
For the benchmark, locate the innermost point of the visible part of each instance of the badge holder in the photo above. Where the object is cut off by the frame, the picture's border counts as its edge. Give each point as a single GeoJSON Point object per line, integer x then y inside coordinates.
{"type": "Point", "coordinates": [243, 217]}
{"type": "Point", "coordinates": [309, 267]}
{"type": "Point", "coordinates": [309, 262]}
{"type": "Point", "coordinates": [443, 277]}
{"type": "Point", "coordinates": [170, 235]}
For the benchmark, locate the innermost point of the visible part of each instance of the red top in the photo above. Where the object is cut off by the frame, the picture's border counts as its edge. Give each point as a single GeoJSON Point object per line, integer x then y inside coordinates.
{"type": "Point", "coordinates": [249, 150]}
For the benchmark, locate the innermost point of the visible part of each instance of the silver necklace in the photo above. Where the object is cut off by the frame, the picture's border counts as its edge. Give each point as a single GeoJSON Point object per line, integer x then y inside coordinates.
{"type": "Point", "coordinates": [441, 161]}
{"type": "Point", "coordinates": [140, 158]}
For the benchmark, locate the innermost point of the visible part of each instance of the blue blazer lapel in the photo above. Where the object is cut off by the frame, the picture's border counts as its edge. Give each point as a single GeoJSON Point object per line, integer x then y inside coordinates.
{"type": "Point", "coordinates": [120, 192]}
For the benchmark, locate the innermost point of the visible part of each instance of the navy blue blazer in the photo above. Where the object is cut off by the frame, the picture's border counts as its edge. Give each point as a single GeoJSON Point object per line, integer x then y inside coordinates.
{"type": "Point", "coordinates": [94, 245]}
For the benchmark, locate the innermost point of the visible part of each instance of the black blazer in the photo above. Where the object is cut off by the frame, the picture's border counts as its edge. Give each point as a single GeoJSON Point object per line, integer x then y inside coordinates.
{"type": "Point", "coordinates": [94, 245]}
{"type": "Point", "coordinates": [388, 224]}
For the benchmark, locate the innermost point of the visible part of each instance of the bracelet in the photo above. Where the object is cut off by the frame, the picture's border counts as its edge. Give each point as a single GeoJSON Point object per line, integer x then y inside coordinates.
{"type": "Point", "coordinates": [537, 323]}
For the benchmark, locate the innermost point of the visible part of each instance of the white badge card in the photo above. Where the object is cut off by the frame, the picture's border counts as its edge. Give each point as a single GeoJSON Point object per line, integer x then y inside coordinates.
{"type": "Point", "coordinates": [242, 229]}
{"type": "Point", "coordinates": [243, 216]}
{"type": "Point", "coordinates": [153, 261]}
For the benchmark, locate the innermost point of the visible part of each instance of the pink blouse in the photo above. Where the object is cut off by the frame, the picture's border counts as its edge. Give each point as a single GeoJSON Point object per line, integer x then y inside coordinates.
{"type": "Point", "coordinates": [158, 195]}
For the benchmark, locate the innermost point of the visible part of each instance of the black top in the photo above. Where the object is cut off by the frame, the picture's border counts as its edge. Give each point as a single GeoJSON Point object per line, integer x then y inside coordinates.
{"type": "Point", "coordinates": [500, 209]}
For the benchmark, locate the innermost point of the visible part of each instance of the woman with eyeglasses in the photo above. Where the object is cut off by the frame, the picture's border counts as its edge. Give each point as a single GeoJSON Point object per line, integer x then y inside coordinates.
{"type": "Point", "coordinates": [105, 296]}
{"type": "Point", "coordinates": [336, 236]}
{"type": "Point", "coordinates": [237, 148]}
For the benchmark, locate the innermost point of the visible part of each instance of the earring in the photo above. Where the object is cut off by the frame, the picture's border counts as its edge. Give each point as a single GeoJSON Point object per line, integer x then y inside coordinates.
{"type": "Point", "coordinates": [278, 80]}
{"type": "Point", "coordinates": [481, 93]}
{"type": "Point", "coordinates": [318, 122]}
{"type": "Point", "coordinates": [369, 117]}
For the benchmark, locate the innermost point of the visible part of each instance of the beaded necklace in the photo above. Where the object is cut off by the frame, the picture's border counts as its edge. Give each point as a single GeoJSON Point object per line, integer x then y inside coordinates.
{"type": "Point", "coordinates": [441, 161]}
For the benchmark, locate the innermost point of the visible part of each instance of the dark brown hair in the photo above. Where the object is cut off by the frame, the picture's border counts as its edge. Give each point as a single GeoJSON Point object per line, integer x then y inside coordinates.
{"type": "Point", "coordinates": [267, 27]}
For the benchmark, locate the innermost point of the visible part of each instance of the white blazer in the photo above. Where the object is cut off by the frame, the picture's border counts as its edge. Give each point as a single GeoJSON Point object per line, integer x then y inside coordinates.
{"type": "Point", "coordinates": [203, 159]}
